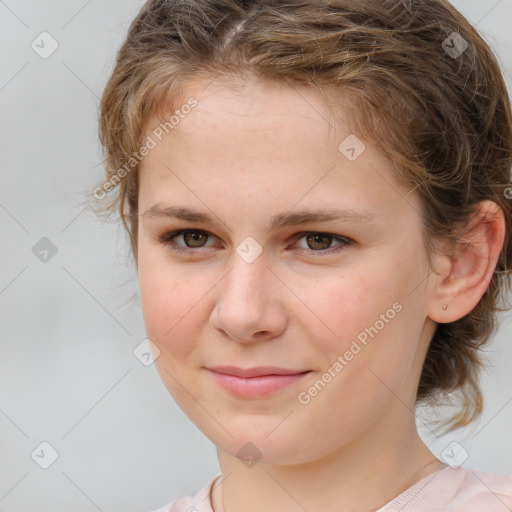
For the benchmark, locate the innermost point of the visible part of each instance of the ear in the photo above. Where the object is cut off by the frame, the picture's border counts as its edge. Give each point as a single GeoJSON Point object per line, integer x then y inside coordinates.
{"type": "Point", "coordinates": [465, 276]}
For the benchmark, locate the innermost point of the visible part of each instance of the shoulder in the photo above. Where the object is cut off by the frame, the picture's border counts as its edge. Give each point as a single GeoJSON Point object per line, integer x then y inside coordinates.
{"type": "Point", "coordinates": [456, 489]}
{"type": "Point", "coordinates": [200, 502]}
{"type": "Point", "coordinates": [479, 490]}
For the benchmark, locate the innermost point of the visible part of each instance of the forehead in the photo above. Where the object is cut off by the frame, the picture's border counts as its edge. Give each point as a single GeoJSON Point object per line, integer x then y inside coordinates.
{"type": "Point", "coordinates": [265, 139]}
{"type": "Point", "coordinates": [251, 107]}
{"type": "Point", "coordinates": [245, 125]}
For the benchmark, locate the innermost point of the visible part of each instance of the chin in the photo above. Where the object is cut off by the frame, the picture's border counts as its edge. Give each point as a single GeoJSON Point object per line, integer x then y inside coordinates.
{"type": "Point", "coordinates": [257, 440]}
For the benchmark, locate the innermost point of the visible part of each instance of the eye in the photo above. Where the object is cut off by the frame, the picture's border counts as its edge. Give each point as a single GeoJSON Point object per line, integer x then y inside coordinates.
{"type": "Point", "coordinates": [194, 239]}
{"type": "Point", "coordinates": [318, 243]}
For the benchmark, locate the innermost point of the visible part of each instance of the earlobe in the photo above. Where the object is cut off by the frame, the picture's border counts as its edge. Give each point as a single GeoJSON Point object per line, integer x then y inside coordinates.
{"type": "Point", "coordinates": [472, 266]}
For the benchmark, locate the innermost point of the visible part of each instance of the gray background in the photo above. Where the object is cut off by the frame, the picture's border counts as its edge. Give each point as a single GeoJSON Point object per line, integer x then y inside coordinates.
{"type": "Point", "coordinates": [69, 326]}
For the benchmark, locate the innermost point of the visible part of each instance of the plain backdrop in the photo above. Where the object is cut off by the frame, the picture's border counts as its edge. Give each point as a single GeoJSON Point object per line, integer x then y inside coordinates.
{"type": "Point", "coordinates": [70, 315]}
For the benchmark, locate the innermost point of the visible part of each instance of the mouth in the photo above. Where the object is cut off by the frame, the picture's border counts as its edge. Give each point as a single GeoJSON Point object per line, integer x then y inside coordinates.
{"type": "Point", "coordinates": [255, 382]}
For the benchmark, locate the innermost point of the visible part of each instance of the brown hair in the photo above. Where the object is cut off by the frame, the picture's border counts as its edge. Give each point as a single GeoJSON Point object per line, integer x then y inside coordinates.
{"type": "Point", "coordinates": [438, 109]}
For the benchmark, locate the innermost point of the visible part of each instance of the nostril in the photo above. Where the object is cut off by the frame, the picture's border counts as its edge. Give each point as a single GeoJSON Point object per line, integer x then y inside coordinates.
{"type": "Point", "coordinates": [229, 335]}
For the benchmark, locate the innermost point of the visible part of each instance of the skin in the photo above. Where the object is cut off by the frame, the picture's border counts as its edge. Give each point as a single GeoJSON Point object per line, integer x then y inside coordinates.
{"type": "Point", "coordinates": [243, 156]}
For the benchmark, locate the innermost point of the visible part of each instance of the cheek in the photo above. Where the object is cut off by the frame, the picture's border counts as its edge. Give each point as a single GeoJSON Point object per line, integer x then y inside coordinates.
{"type": "Point", "coordinates": [168, 306]}
{"type": "Point", "coordinates": [365, 317]}
{"type": "Point", "coordinates": [170, 302]}
{"type": "Point", "coordinates": [342, 306]}
{"type": "Point", "coordinates": [365, 342]}
{"type": "Point", "coordinates": [171, 305]}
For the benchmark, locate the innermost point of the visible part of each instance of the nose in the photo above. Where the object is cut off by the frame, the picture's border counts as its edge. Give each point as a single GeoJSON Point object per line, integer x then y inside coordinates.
{"type": "Point", "coordinates": [249, 306]}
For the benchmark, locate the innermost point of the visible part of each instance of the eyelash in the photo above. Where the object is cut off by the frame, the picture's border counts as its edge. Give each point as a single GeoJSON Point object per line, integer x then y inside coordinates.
{"type": "Point", "coordinates": [165, 239]}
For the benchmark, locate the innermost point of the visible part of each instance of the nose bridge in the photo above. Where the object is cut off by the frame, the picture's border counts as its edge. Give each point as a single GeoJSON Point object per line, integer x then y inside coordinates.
{"type": "Point", "coordinates": [247, 282]}
{"type": "Point", "coordinates": [244, 305]}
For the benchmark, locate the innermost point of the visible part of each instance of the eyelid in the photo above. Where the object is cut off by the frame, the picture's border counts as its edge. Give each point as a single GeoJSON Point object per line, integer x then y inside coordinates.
{"type": "Point", "coordinates": [344, 242]}
{"type": "Point", "coordinates": [168, 235]}
{"type": "Point", "coordinates": [166, 239]}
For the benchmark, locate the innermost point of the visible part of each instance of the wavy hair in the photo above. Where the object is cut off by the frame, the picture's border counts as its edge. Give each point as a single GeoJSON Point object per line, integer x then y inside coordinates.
{"type": "Point", "coordinates": [431, 90]}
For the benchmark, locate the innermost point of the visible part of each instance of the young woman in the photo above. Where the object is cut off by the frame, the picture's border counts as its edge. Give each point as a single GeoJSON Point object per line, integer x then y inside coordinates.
{"type": "Point", "coordinates": [317, 195]}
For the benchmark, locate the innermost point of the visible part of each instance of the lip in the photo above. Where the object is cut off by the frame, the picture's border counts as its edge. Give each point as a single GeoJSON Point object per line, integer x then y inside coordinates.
{"type": "Point", "coordinates": [257, 371]}
{"type": "Point", "coordinates": [255, 382]}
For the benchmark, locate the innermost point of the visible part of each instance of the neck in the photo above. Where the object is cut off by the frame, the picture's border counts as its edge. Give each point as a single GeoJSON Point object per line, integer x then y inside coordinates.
{"type": "Point", "coordinates": [362, 476]}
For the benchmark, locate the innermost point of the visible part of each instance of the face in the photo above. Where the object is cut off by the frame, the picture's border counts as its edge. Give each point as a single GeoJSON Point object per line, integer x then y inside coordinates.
{"type": "Point", "coordinates": [306, 256]}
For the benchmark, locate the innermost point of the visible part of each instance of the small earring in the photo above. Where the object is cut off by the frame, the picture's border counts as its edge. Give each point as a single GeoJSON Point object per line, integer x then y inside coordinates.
{"type": "Point", "coordinates": [445, 307]}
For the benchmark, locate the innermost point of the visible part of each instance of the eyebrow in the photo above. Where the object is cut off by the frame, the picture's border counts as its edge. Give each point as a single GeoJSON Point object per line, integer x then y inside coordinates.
{"type": "Point", "coordinates": [349, 215]}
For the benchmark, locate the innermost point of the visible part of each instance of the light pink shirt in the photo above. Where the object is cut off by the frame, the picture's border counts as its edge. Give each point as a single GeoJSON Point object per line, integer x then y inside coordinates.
{"type": "Point", "coordinates": [452, 489]}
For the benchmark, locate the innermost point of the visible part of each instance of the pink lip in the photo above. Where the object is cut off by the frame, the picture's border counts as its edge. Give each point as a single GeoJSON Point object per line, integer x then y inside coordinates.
{"type": "Point", "coordinates": [255, 382]}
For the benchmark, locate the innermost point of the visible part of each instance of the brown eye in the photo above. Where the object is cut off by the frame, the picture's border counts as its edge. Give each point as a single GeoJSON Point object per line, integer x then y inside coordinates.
{"type": "Point", "coordinates": [195, 238]}
{"type": "Point", "coordinates": [319, 241]}
{"type": "Point", "coordinates": [185, 240]}
{"type": "Point", "coordinates": [320, 244]}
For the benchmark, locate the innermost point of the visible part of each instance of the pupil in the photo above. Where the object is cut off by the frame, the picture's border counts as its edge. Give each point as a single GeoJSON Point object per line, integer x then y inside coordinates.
{"type": "Point", "coordinates": [195, 237]}
{"type": "Point", "coordinates": [318, 239]}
